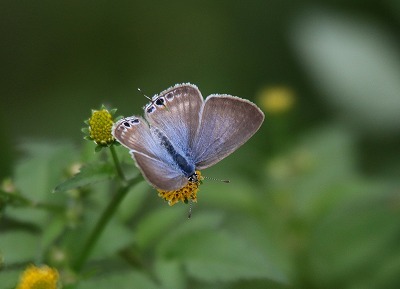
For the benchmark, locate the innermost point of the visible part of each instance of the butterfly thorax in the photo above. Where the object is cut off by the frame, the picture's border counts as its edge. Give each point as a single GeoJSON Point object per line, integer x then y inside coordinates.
{"type": "Point", "coordinates": [187, 167]}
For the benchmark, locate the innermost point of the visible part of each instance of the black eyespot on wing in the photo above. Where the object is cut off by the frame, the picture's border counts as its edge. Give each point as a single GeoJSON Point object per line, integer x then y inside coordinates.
{"type": "Point", "coordinates": [169, 96]}
{"type": "Point", "coordinates": [126, 124]}
{"type": "Point", "coordinates": [135, 120]}
{"type": "Point", "coordinates": [160, 101]}
{"type": "Point", "coordinates": [150, 109]}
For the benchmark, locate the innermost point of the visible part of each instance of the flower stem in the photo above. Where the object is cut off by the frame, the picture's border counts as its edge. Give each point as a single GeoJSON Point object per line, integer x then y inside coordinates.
{"type": "Point", "coordinates": [102, 222]}
{"type": "Point", "coordinates": [117, 164]}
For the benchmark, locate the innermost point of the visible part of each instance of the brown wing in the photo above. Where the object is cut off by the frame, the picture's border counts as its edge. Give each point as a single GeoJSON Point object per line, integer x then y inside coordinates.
{"type": "Point", "coordinates": [227, 122]}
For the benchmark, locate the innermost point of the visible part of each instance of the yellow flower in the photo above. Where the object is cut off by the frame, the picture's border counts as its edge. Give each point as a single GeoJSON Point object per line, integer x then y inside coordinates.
{"type": "Point", "coordinates": [188, 192]}
{"type": "Point", "coordinates": [38, 278]}
{"type": "Point", "coordinates": [8, 186]}
{"type": "Point", "coordinates": [100, 125]}
{"type": "Point", "coordinates": [277, 99]}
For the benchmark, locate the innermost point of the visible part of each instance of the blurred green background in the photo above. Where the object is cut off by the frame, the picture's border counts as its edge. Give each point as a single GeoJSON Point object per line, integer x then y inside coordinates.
{"type": "Point", "coordinates": [314, 200]}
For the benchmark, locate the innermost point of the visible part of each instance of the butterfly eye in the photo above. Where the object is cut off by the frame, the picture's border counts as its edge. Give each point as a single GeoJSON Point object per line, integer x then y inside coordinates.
{"type": "Point", "coordinates": [193, 178]}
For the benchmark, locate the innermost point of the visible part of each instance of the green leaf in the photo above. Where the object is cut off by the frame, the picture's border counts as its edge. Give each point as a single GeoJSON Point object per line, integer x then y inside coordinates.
{"type": "Point", "coordinates": [119, 118]}
{"type": "Point", "coordinates": [98, 148]}
{"type": "Point", "coordinates": [114, 237]}
{"type": "Point", "coordinates": [222, 257]}
{"type": "Point", "coordinates": [200, 222]}
{"type": "Point", "coordinates": [321, 164]}
{"type": "Point", "coordinates": [242, 194]}
{"type": "Point", "coordinates": [219, 256]}
{"type": "Point", "coordinates": [9, 279]}
{"type": "Point", "coordinates": [14, 199]}
{"type": "Point", "coordinates": [260, 234]}
{"type": "Point", "coordinates": [29, 217]}
{"type": "Point", "coordinates": [53, 230]}
{"type": "Point", "coordinates": [358, 244]}
{"type": "Point", "coordinates": [88, 175]}
{"type": "Point", "coordinates": [124, 280]}
{"type": "Point", "coordinates": [11, 252]}
{"type": "Point", "coordinates": [171, 274]}
{"type": "Point", "coordinates": [38, 173]}
{"type": "Point", "coordinates": [85, 130]}
{"type": "Point", "coordinates": [133, 201]}
{"type": "Point", "coordinates": [352, 68]}
{"type": "Point", "coordinates": [154, 226]}
{"type": "Point", "coordinates": [259, 284]}
{"type": "Point", "coordinates": [170, 270]}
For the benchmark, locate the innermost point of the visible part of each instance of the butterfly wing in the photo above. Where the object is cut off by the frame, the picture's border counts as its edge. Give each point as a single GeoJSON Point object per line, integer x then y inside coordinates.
{"type": "Point", "coordinates": [226, 123]}
{"type": "Point", "coordinates": [156, 166]}
{"type": "Point", "coordinates": [176, 112]}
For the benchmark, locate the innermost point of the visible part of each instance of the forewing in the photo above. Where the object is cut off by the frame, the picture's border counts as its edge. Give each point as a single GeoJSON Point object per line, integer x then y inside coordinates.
{"type": "Point", "coordinates": [176, 112]}
{"type": "Point", "coordinates": [134, 133]}
{"type": "Point", "coordinates": [226, 123]}
{"type": "Point", "coordinates": [150, 157]}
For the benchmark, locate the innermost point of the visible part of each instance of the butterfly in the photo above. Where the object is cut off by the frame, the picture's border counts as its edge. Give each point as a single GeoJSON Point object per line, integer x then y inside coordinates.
{"type": "Point", "coordinates": [181, 134]}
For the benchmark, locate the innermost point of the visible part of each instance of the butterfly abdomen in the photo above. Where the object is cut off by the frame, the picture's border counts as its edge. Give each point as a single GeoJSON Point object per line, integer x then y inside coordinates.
{"type": "Point", "coordinates": [187, 168]}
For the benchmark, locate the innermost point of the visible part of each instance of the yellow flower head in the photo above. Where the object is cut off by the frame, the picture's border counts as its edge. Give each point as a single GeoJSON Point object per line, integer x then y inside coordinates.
{"type": "Point", "coordinates": [38, 278]}
{"type": "Point", "coordinates": [100, 125]}
{"type": "Point", "coordinates": [188, 192]}
{"type": "Point", "coordinates": [8, 186]}
{"type": "Point", "coordinates": [277, 99]}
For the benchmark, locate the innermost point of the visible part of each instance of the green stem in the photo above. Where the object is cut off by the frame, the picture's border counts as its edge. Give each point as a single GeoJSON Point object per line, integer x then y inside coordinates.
{"type": "Point", "coordinates": [102, 222]}
{"type": "Point", "coordinates": [117, 164]}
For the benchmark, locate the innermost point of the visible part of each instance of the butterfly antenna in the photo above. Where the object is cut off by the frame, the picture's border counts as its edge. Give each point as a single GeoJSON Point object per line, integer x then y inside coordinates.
{"type": "Point", "coordinates": [218, 180]}
{"type": "Point", "coordinates": [151, 100]}
{"type": "Point", "coordinates": [144, 94]}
